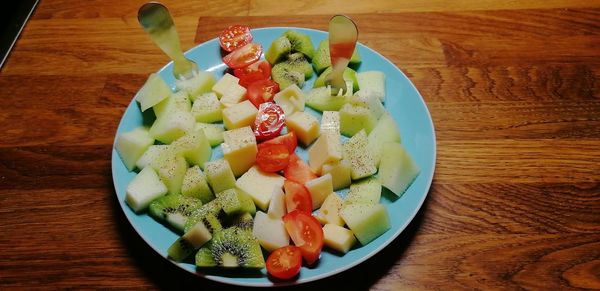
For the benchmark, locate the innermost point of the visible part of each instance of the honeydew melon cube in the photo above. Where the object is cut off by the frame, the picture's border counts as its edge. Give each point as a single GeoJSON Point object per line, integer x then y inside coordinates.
{"type": "Point", "coordinates": [373, 81]}
{"type": "Point", "coordinates": [367, 190]}
{"type": "Point", "coordinates": [219, 175]}
{"type": "Point", "coordinates": [230, 201]}
{"type": "Point", "coordinates": [172, 125]}
{"type": "Point", "coordinates": [354, 118]}
{"type": "Point", "coordinates": [239, 149]}
{"type": "Point", "coordinates": [234, 95]}
{"type": "Point", "coordinates": [195, 185]}
{"type": "Point", "coordinates": [277, 207]}
{"type": "Point", "coordinates": [259, 185]}
{"type": "Point", "coordinates": [398, 170]}
{"type": "Point", "coordinates": [360, 159]}
{"type": "Point", "coordinates": [178, 101]}
{"type": "Point", "coordinates": [304, 125]}
{"type": "Point", "coordinates": [366, 98]}
{"type": "Point", "coordinates": [330, 210]}
{"type": "Point", "coordinates": [145, 187]}
{"type": "Point", "coordinates": [291, 99]}
{"type": "Point", "coordinates": [327, 149]}
{"type": "Point", "coordinates": [349, 75]}
{"type": "Point", "coordinates": [171, 168]}
{"type": "Point", "coordinates": [330, 123]}
{"type": "Point", "coordinates": [338, 238]}
{"type": "Point", "coordinates": [386, 130]}
{"type": "Point", "coordinates": [239, 115]}
{"type": "Point", "coordinates": [270, 232]}
{"type": "Point", "coordinates": [213, 132]}
{"type": "Point", "coordinates": [152, 153]}
{"type": "Point", "coordinates": [340, 173]}
{"type": "Point", "coordinates": [194, 147]}
{"type": "Point", "coordinates": [131, 145]}
{"type": "Point", "coordinates": [367, 221]}
{"type": "Point", "coordinates": [202, 82]}
{"type": "Point", "coordinates": [319, 189]}
{"type": "Point", "coordinates": [320, 99]}
{"type": "Point", "coordinates": [153, 92]}
{"type": "Point", "coordinates": [224, 84]}
{"type": "Point", "coordinates": [207, 108]}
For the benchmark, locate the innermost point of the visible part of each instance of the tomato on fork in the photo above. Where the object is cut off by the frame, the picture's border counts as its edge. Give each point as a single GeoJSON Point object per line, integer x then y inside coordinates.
{"type": "Point", "coordinates": [243, 56]}
{"type": "Point", "coordinates": [306, 233]}
{"type": "Point", "coordinates": [285, 262]}
{"type": "Point", "coordinates": [234, 37]}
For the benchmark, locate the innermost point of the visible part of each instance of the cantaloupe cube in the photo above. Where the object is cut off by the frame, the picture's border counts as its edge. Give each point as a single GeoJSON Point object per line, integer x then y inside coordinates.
{"type": "Point", "coordinates": [224, 84]}
{"type": "Point", "coordinates": [373, 81]}
{"type": "Point", "coordinates": [330, 123]}
{"type": "Point", "coordinates": [338, 238]}
{"type": "Point", "coordinates": [398, 170]}
{"type": "Point", "coordinates": [153, 92]}
{"type": "Point", "coordinates": [194, 147]}
{"type": "Point", "coordinates": [386, 130]}
{"type": "Point", "coordinates": [270, 232]}
{"type": "Point", "coordinates": [340, 173]}
{"type": "Point", "coordinates": [239, 115]}
{"type": "Point", "coordinates": [207, 108]}
{"type": "Point", "coordinates": [367, 221]}
{"type": "Point", "coordinates": [259, 185]}
{"type": "Point", "coordinates": [304, 125]}
{"type": "Point", "coordinates": [131, 145]}
{"type": "Point", "coordinates": [291, 99]}
{"type": "Point", "coordinates": [327, 149]}
{"type": "Point", "coordinates": [151, 154]}
{"type": "Point", "coordinates": [172, 125]}
{"type": "Point", "coordinates": [200, 83]}
{"type": "Point", "coordinates": [195, 185]}
{"type": "Point", "coordinates": [330, 210]}
{"type": "Point", "coordinates": [360, 159]}
{"type": "Point", "coordinates": [219, 175]}
{"type": "Point", "coordinates": [354, 118]}
{"type": "Point", "coordinates": [319, 189]}
{"type": "Point", "coordinates": [367, 190]}
{"type": "Point", "coordinates": [145, 187]}
{"type": "Point", "coordinates": [213, 132]}
{"type": "Point", "coordinates": [239, 149]}
{"type": "Point", "coordinates": [178, 101]}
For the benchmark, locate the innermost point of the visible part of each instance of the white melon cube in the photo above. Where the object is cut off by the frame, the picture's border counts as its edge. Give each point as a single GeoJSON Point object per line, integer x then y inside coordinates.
{"type": "Point", "coordinates": [234, 95]}
{"type": "Point", "coordinates": [330, 123]}
{"type": "Point", "coordinates": [291, 99]}
{"type": "Point", "coordinates": [319, 189]}
{"type": "Point", "coordinates": [259, 185]}
{"type": "Point", "coordinates": [373, 81]}
{"type": "Point", "coordinates": [364, 191]}
{"type": "Point", "coordinates": [386, 130]}
{"type": "Point", "coordinates": [213, 132]}
{"type": "Point", "coordinates": [330, 210]}
{"type": "Point", "coordinates": [368, 99]}
{"type": "Point", "coordinates": [219, 175]}
{"type": "Point", "coordinates": [367, 221]}
{"type": "Point", "coordinates": [153, 92]}
{"type": "Point", "coordinates": [196, 185]}
{"type": "Point", "coordinates": [356, 153]}
{"type": "Point", "coordinates": [277, 207]}
{"type": "Point", "coordinates": [172, 125]}
{"type": "Point", "coordinates": [224, 84]}
{"type": "Point", "coordinates": [340, 174]}
{"type": "Point", "coordinates": [338, 238]}
{"type": "Point", "coordinates": [152, 153]}
{"type": "Point", "coordinates": [145, 187]}
{"type": "Point", "coordinates": [270, 232]}
{"type": "Point", "coordinates": [178, 101]}
{"type": "Point", "coordinates": [200, 83]}
{"type": "Point", "coordinates": [354, 118]}
{"type": "Point", "coordinates": [171, 168]}
{"type": "Point", "coordinates": [398, 170]}
{"type": "Point", "coordinates": [207, 108]}
{"type": "Point", "coordinates": [304, 125]}
{"type": "Point", "coordinates": [239, 149]}
{"type": "Point", "coordinates": [327, 149]}
{"type": "Point", "coordinates": [194, 147]}
{"type": "Point", "coordinates": [239, 115]}
{"type": "Point", "coordinates": [131, 145]}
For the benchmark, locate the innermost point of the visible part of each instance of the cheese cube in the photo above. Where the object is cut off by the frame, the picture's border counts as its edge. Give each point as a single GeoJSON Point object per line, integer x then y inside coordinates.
{"type": "Point", "coordinates": [239, 149]}
{"type": "Point", "coordinates": [224, 83]}
{"type": "Point", "coordinates": [234, 95]}
{"type": "Point", "coordinates": [327, 149]}
{"type": "Point", "coordinates": [259, 185]}
{"type": "Point", "coordinates": [207, 108]}
{"type": "Point", "coordinates": [330, 210]}
{"type": "Point", "coordinates": [270, 232]}
{"type": "Point", "coordinates": [319, 189]}
{"type": "Point", "coordinates": [239, 115]}
{"type": "Point", "coordinates": [304, 125]}
{"type": "Point", "coordinates": [338, 238]}
{"type": "Point", "coordinates": [340, 173]}
{"type": "Point", "coordinates": [291, 99]}
{"type": "Point", "coordinates": [330, 122]}
{"type": "Point", "coordinates": [219, 175]}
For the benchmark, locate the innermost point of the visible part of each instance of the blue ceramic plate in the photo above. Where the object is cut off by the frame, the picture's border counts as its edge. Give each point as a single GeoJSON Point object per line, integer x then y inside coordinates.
{"type": "Point", "coordinates": [402, 100]}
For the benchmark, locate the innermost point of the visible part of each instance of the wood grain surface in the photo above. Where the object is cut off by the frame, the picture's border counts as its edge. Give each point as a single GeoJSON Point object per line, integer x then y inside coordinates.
{"type": "Point", "coordinates": [513, 88]}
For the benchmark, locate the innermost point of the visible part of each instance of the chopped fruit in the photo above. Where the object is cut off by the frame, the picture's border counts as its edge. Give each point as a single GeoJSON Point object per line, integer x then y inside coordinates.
{"type": "Point", "coordinates": [354, 118]}
{"type": "Point", "coordinates": [300, 43]}
{"type": "Point", "coordinates": [373, 81]}
{"type": "Point", "coordinates": [243, 56]}
{"type": "Point", "coordinates": [213, 132]}
{"type": "Point", "coordinates": [386, 130]}
{"type": "Point", "coordinates": [284, 263]}
{"type": "Point", "coordinates": [298, 171]}
{"type": "Point", "coordinates": [320, 99]}
{"type": "Point", "coordinates": [338, 238]}
{"type": "Point", "coordinates": [306, 233]}
{"type": "Point", "coordinates": [360, 159]}
{"type": "Point", "coordinates": [260, 70]}
{"type": "Point", "coordinates": [367, 221]}
{"type": "Point", "coordinates": [153, 92]}
{"type": "Point", "coordinates": [327, 149]}
{"type": "Point", "coordinates": [145, 187]}
{"type": "Point", "coordinates": [330, 123]}
{"type": "Point", "coordinates": [289, 140]}
{"type": "Point", "coordinates": [207, 108]}
{"type": "Point", "coordinates": [367, 190]}
{"type": "Point", "coordinates": [234, 37]}
{"type": "Point", "coordinates": [297, 197]}
{"type": "Point", "coordinates": [132, 145]}
{"type": "Point", "coordinates": [398, 170]}
{"type": "Point", "coordinates": [272, 157]}
{"type": "Point", "coordinates": [269, 121]}
{"type": "Point", "coordinates": [277, 205]}
{"type": "Point", "coordinates": [340, 173]}
{"type": "Point", "coordinates": [262, 91]}
{"type": "Point", "coordinates": [270, 232]}
{"type": "Point", "coordinates": [219, 175]}
{"type": "Point", "coordinates": [199, 84]}
{"type": "Point", "coordinates": [280, 48]}
{"type": "Point", "coordinates": [194, 147]}
{"type": "Point", "coordinates": [192, 240]}
{"type": "Point", "coordinates": [195, 185]}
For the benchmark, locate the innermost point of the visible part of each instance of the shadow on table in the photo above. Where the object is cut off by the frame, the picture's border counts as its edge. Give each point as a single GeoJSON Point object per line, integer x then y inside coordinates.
{"type": "Point", "coordinates": [166, 275]}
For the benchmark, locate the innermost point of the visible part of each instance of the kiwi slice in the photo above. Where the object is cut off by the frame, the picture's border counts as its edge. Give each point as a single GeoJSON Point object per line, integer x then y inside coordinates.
{"type": "Point", "coordinates": [322, 60]}
{"type": "Point", "coordinates": [349, 75]}
{"type": "Point", "coordinates": [280, 48]}
{"type": "Point", "coordinates": [298, 63]}
{"type": "Point", "coordinates": [244, 221]}
{"type": "Point", "coordinates": [230, 248]}
{"type": "Point", "coordinates": [174, 209]}
{"type": "Point", "coordinates": [285, 76]}
{"type": "Point", "coordinates": [300, 43]}
{"type": "Point", "coordinates": [248, 205]}
{"type": "Point", "coordinates": [212, 208]}
{"type": "Point", "coordinates": [192, 240]}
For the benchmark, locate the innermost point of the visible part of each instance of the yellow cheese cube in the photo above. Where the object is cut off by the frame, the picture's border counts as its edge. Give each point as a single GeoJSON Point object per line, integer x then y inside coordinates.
{"type": "Point", "coordinates": [327, 149]}
{"type": "Point", "coordinates": [330, 210]}
{"type": "Point", "coordinates": [233, 95]}
{"type": "Point", "coordinates": [338, 238]}
{"type": "Point", "coordinates": [305, 125]}
{"type": "Point", "coordinates": [319, 189]}
{"type": "Point", "coordinates": [340, 173]}
{"type": "Point", "coordinates": [239, 115]}
{"type": "Point", "coordinates": [239, 149]}
{"type": "Point", "coordinates": [330, 122]}
{"type": "Point", "coordinates": [224, 83]}
{"type": "Point", "coordinates": [291, 99]}
{"type": "Point", "coordinates": [259, 185]}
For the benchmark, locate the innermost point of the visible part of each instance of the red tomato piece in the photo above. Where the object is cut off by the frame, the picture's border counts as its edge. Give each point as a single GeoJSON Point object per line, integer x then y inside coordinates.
{"type": "Point", "coordinates": [285, 262]}
{"type": "Point", "coordinates": [289, 140]}
{"type": "Point", "coordinates": [298, 171]}
{"type": "Point", "coordinates": [306, 233]}
{"type": "Point", "coordinates": [297, 197]}
{"type": "Point", "coordinates": [243, 56]}
{"type": "Point", "coordinates": [269, 121]}
{"type": "Point", "coordinates": [234, 37]}
{"type": "Point", "coordinates": [260, 70]}
{"type": "Point", "coordinates": [261, 91]}
{"type": "Point", "coordinates": [272, 158]}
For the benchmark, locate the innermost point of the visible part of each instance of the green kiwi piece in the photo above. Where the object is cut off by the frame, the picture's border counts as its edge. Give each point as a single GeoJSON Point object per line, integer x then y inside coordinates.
{"type": "Point", "coordinates": [280, 48]}
{"type": "Point", "coordinates": [284, 75]}
{"type": "Point", "coordinates": [300, 43]}
{"type": "Point", "coordinates": [174, 209]}
{"type": "Point", "coordinates": [233, 247]}
{"type": "Point", "coordinates": [322, 60]}
{"type": "Point", "coordinates": [230, 201]}
{"type": "Point", "coordinates": [349, 75]}
{"type": "Point", "coordinates": [244, 221]}
{"type": "Point", "coordinates": [212, 208]}
{"type": "Point", "coordinates": [247, 202]}
{"type": "Point", "coordinates": [297, 62]}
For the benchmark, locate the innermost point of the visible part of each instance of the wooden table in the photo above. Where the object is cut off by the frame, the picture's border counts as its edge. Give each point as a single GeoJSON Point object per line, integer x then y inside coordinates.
{"type": "Point", "coordinates": [513, 88]}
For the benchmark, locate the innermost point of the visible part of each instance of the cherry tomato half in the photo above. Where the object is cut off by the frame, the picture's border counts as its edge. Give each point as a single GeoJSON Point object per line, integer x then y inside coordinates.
{"type": "Point", "coordinates": [297, 197]}
{"type": "Point", "coordinates": [260, 70]}
{"type": "Point", "coordinates": [306, 233]}
{"type": "Point", "coordinates": [243, 56]}
{"type": "Point", "coordinates": [269, 121]}
{"type": "Point", "coordinates": [289, 140]}
{"type": "Point", "coordinates": [234, 37]}
{"type": "Point", "coordinates": [272, 157]}
{"type": "Point", "coordinates": [298, 171]}
{"type": "Point", "coordinates": [285, 262]}
{"type": "Point", "coordinates": [261, 91]}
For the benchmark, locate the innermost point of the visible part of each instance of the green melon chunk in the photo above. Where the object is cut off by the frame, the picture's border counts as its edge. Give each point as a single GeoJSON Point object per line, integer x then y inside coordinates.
{"type": "Point", "coordinates": [171, 168]}
{"type": "Point", "coordinates": [219, 175]}
{"type": "Point", "coordinates": [367, 190]}
{"type": "Point", "coordinates": [373, 81]}
{"type": "Point", "coordinates": [207, 108]}
{"type": "Point", "coordinates": [386, 130]}
{"type": "Point", "coordinates": [145, 187]}
{"type": "Point", "coordinates": [179, 101]}
{"type": "Point", "coordinates": [321, 99]}
{"type": "Point", "coordinates": [398, 170]}
{"type": "Point", "coordinates": [214, 132]}
{"type": "Point", "coordinates": [367, 221]}
{"type": "Point", "coordinates": [322, 59]}
{"type": "Point", "coordinates": [361, 162]}
{"type": "Point", "coordinates": [172, 125]}
{"type": "Point", "coordinates": [153, 92]}
{"type": "Point", "coordinates": [195, 185]}
{"type": "Point", "coordinates": [195, 147]}
{"type": "Point", "coordinates": [200, 83]}
{"type": "Point", "coordinates": [349, 75]}
{"type": "Point", "coordinates": [354, 118]}
{"type": "Point", "coordinates": [132, 145]}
